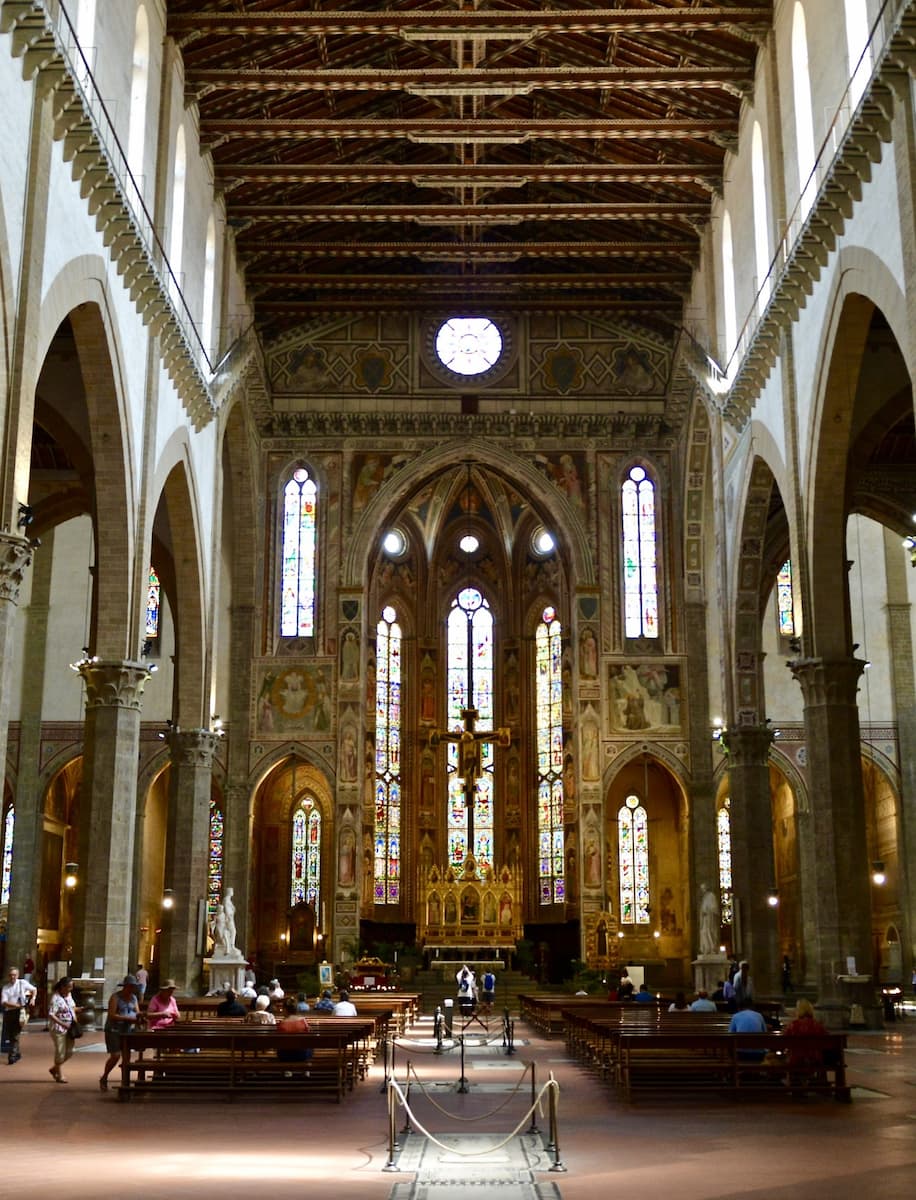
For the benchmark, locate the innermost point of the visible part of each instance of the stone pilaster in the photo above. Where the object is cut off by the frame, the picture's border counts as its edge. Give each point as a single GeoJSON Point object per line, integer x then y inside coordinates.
{"type": "Point", "coordinates": [753, 866]}
{"type": "Point", "coordinates": [186, 853]}
{"type": "Point", "coordinates": [107, 814]}
{"type": "Point", "coordinates": [15, 557]}
{"type": "Point", "coordinates": [704, 854]}
{"type": "Point", "coordinates": [842, 896]}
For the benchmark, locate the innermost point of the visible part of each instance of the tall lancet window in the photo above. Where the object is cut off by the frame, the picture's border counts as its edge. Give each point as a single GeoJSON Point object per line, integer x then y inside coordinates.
{"type": "Point", "coordinates": [470, 685]}
{"type": "Point", "coordinates": [633, 851]}
{"type": "Point", "coordinates": [153, 596]}
{"type": "Point", "coordinates": [305, 883]}
{"type": "Point", "coordinates": [6, 867]}
{"type": "Point", "coordinates": [297, 594]}
{"type": "Point", "coordinates": [724, 839]}
{"type": "Point", "coordinates": [785, 603]}
{"type": "Point", "coordinates": [388, 758]}
{"type": "Point", "coordinates": [549, 707]}
{"type": "Point", "coordinates": [640, 577]}
{"type": "Point", "coordinates": [215, 861]}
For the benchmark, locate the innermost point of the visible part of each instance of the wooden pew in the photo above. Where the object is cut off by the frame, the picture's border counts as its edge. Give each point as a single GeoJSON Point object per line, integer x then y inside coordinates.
{"type": "Point", "coordinates": [232, 1057]}
{"type": "Point", "coordinates": [544, 1012]}
{"type": "Point", "coordinates": [715, 1060]}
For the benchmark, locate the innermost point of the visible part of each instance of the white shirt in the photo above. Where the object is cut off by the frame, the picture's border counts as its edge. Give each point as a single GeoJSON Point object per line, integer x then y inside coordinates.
{"type": "Point", "coordinates": [345, 1008]}
{"type": "Point", "coordinates": [18, 994]}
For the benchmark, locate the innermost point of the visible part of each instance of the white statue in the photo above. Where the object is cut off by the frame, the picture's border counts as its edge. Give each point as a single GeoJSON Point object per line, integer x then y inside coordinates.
{"type": "Point", "coordinates": [709, 922]}
{"type": "Point", "coordinates": [224, 929]}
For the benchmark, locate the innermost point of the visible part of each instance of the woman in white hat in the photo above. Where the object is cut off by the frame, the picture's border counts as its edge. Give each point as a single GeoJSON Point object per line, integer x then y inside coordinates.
{"type": "Point", "coordinates": [123, 1014]}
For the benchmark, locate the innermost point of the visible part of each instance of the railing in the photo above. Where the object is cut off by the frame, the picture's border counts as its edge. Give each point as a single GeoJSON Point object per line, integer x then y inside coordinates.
{"type": "Point", "coordinates": [831, 148]}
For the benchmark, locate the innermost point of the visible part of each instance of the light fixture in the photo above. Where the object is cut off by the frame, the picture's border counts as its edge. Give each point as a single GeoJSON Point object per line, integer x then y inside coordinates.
{"type": "Point", "coordinates": [718, 729]}
{"type": "Point", "coordinates": [216, 724]}
{"type": "Point", "coordinates": [773, 897]}
{"type": "Point", "coordinates": [26, 516]}
{"type": "Point", "coordinates": [878, 875]}
{"type": "Point", "coordinates": [620, 934]}
{"type": "Point", "coordinates": [656, 934]}
{"type": "Point", "coordinates": [168, 898]}
{"type": "Point", "coordinates": [71, 875]}
{"type": "Point", "coordinates": [721, 949]}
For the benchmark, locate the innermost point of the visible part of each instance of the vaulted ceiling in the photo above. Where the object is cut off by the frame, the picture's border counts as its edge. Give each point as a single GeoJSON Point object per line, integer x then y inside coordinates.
{"type": "Point", "coordinates": [514, 158]}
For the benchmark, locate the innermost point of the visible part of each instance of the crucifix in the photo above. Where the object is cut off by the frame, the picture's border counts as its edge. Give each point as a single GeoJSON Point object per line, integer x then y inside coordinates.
{"type": "Point", "coordinates": [470, 767]}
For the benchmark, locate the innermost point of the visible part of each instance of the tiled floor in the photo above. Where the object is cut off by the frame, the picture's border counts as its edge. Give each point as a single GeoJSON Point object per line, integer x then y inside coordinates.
{"type": "Point", "coordinates": [66, 1137]}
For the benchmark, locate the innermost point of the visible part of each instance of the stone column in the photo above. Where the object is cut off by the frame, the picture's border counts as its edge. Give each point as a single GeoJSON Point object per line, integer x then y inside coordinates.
{"type": "Point", "coordinates": [704, 850]}
{"type": "Point", "coordinates": [842, 897]}
{"type": "Point", "coordinates": [15, 556]}
{"type": "Point", "coordinates": [108, 804]}
{"type": "Point", "coordinates": [186, 853]}
{"type": "Point", "coordinates": [753, 865]}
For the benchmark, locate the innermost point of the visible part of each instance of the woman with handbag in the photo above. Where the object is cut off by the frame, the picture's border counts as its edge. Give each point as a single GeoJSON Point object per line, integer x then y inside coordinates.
{"type": "Point", "coordinates": [63, 1025]}
{"type": "Point", "coordinates": [16, 997]}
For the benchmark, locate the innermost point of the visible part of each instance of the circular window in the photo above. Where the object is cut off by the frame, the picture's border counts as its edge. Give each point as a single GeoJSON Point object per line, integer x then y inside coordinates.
{"type": "Point", "coordinates": [468, 345]}
{"type": "Point", "coordinates": [468, 543]}
{"type": "Point", "coordinates": [543, 542]}
{"type": "Point", "coordinates": [394, 543]}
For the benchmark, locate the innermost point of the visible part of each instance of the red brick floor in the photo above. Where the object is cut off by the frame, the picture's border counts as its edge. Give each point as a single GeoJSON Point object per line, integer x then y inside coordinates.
{"type": "Point", "coordinates": [66, 1137]}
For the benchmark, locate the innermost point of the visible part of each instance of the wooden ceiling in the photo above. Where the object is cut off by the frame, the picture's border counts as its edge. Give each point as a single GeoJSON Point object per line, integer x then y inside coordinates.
{"type": "Point", "coordinates": [512, 158]}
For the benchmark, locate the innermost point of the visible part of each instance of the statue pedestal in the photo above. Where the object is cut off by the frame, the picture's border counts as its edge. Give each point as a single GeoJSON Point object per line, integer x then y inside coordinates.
{"type": "Point", "coordinates": [220, 970]}
{"type": "Point", "coordinates": [709, 970]}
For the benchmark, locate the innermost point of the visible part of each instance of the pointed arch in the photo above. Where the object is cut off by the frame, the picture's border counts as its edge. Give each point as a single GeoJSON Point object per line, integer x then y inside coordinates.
{"type": "Point", "coordinates": [639, 534]}
{"type": "Point", "coordinates": [548, 690]}
{"type": "Point", "coordinates": [388, 739]}
{"type": "Point", "coordinates": [298, 554]}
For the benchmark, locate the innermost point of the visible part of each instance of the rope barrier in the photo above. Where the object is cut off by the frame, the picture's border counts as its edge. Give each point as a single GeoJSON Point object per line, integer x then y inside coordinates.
{"type": "Point", "coordinates": [455, 1116]}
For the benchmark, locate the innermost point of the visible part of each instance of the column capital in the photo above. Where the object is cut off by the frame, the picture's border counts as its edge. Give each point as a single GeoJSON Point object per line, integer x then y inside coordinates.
{"type": "Point", "coordinates": [193, 747]}
{"type": "Point", "coordinates": [15, 555]}
{"type": "Point", "coordinates": [117, 683]}
{"type": "Point", "coordinates": [748, 745]}
{"type": "Point", "coordinates": [826, 681]}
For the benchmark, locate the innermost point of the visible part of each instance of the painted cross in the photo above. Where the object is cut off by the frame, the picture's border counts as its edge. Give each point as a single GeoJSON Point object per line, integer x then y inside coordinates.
{"type": "Point", "coordinates": [470, 767]}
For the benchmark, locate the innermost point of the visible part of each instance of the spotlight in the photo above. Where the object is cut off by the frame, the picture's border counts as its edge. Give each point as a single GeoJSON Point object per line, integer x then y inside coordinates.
{"type": "Point", "coordinates": [168, 898]}
{"type": "Point", "coordinates": [71, 876]}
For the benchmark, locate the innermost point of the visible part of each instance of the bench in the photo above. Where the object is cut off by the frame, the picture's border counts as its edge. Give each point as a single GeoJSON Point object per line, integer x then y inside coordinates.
{"type": "Point", "coordinates": [715, 1060]}
{"type": "Point", "coordinates": [593, 1035]}
{"type": "Point", "coordinates": [545, 1012]}
{"type": "Point", "coordinates": [231, 1057]}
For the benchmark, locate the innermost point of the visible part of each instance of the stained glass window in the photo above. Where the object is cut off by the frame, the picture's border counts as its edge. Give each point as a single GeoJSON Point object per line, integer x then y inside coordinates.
{"type": "Point", "coordinates": [215, 862]}
{"type": "Point", "coordinates": [306, 866]}
{"type": "Point", "coordinates": [785, 608]}
{"type": "Point", "coordinates": [470, 684]}
{"type": "Point", "coordinates": [388, 758]}
{"type": "Point", "coordinates": [724, 839]}
{"type": "Point", "coordinates": [633, 852]}
{"type": "Point", "coordinates": [297, 591]}
{"type": "Point", "coordinates": [640, 581]}
{"type": "Point", "coordinates": [153, 589]}
{"type": "Point", "coordinates": [9, 822]}
{"type": "Point", "coordinates": [548, 684]}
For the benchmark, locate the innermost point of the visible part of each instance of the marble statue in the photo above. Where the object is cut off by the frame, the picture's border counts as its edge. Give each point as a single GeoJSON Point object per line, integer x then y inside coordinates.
{"type": "Point", "coordinates": [224, 929]}
{"type": "Point", "coordinates": [709, 922]}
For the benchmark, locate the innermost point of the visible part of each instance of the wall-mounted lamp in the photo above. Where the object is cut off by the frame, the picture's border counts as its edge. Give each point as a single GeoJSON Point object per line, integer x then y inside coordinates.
{"type": "Point", "coordinates": [717, 729]}
{"type": "Point", "coordinates": [878, 876]}
{"type": "Point", "coordinates": [656, 934]}
{"type": "Point", "coordinates": [216, 724]}
{"type": "Point", "coordinates": [71, 875]}
{"type": "Point", "coordinates": [168, 898]}
{"type": "Point", "coordinates": [26, 516]}
{"type": "Point", "coordinates": [773, 897]}
{"type": "Point", "coordinates": [620, 934]}
{"type": "Point", "coordinates": [721, 949]}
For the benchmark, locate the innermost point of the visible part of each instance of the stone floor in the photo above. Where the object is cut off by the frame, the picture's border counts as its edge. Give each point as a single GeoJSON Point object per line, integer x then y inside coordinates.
{"type": "Point", "coordinates": [59, 1137]}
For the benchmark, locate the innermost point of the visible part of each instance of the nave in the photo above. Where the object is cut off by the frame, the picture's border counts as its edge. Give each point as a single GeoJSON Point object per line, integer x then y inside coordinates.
{"type": "Point", "coordinates": [76, 1138]}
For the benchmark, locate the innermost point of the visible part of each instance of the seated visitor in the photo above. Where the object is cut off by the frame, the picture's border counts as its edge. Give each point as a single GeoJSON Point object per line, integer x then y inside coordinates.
{"type": "Point", "coordinates": [262, 1014]}
{"type": "Point", "coordinates": [703, 1003]}
{"type": "Point", "coordinates": [294, 1022]}
{"type": "Point", "coordinates": [276, 992]}
{"type": "Point", "coordinates": [325, 1004]}
{"type": "Point", "coordinates": [679, 1004]}
{"type": "Point", "coordinates": [748, 1020]}
{"type": "Point", "coordinates": [230, 1007]}
{"type": "Point", "coordinates": [719, 993]}
{"type": "Point", "coordinates": [344, 1006]}
{"type": "Point", "coordinates": [262, 991]}
{"type": "Point", "coordinates": [625, 988]}
{"type": "Point", "coordinates": [644, 996]}
{"type": "Point", "coordinates": [804, 1024]}
{"type": "Point", "coordinates": [302, 1004]}
{"type": "Point", "coordinates": [162, 1011]}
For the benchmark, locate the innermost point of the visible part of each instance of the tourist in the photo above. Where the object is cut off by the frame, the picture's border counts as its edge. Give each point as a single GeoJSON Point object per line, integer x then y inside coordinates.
{"type": "Point", "coordinates": [62, 1015]}
{"type": "Point", "coordinates": [644, 996]}
{"type": "Point", "coordinates": [16, 998]}
{"type": "Point", "coordinates": [747, 1020]}
{"type": "Point", "coordinates": [123, 1014]}
{"type": "Point", "coordinates": [325, 1004]}
{"type": "Point", "coordinates": [294, 1022]}
{"type": "Point", "coordinates": [230, 1007]}
{"type": "Point", "coordinates": [467, 987]}
{"type": "Point", "coordinates": [262, 1014]}
{"type": "Point", "coordinates": [719, 994]}
{"type": "Point", "coordinates": [679, 1004]}
{"type": "Point", "coordinates": [162, 1010]}
{"type": "Point", "coordinates": [142, 981]}
{"type": "Point", "coordinates": [275, 991]}
{"type": "Point", "coordinates": [804, 1024]}
{"type": "Point", "coordinates": [744, 987]}
{"type": "Point", "coordinates": [344, 1006]}
{"type": "Point", "coordinates": [488, 993]}
{"type": "Point", "coordinates": [703, 1002]}
{"type": "Point", "coordinates": [302, 1004]}
{"type": "Point", "coordinates": [625, 988]}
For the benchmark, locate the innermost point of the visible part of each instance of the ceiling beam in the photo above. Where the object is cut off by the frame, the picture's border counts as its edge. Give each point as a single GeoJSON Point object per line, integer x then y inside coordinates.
{"type": "Point", "coordinates": [481, 283]}
{"type": "Point", "coordinates": [472, 214]}
{"type": "Point", "coordinates": [472, 80]}
{"type": "Point", "coordinates": [299, 308]}
{"type": "Point", "coordinates": [472, 23]}
{"type": "Point", "coordinates": [518, 129]}
{"type": "Point", "coordinates": [461, 251]}
{"type": "Point", "coordinates": [470, 175]}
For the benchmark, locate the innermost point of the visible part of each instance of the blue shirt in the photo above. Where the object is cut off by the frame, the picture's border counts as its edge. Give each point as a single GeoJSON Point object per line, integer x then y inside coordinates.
{"type": "Point", "coordinates": [747, 1020]}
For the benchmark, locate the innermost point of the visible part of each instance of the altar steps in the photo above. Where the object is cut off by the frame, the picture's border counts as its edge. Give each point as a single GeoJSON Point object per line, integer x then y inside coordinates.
{"type": "Point", "coordinates": [509, 985]}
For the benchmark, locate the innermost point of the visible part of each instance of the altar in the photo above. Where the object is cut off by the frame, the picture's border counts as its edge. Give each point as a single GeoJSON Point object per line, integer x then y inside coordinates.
{"type": "Point", "coordinates": [470, 914]}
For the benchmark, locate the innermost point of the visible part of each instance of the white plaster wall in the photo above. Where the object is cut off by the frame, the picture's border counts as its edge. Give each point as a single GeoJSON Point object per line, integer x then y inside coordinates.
{"type": "Point", "coordinates": [16, 105]}
{"type": "Point", "coordinates": [157, 695]}
{"type": "Point", "coordinates": [783, 703]}
{"type": "Point", "coordinates": [868, 609]}
{"type": "Point", "coordinates": [68, 620]}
